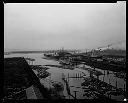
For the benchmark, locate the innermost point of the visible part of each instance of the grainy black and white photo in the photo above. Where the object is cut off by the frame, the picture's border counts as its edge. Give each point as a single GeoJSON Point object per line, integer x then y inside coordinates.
{"type": "Point", "coordinates": [65, 51]}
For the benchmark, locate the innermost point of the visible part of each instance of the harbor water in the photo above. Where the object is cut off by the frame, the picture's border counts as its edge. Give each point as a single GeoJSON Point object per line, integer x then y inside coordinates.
{"type": "Point", "coordinates": [70, 74]}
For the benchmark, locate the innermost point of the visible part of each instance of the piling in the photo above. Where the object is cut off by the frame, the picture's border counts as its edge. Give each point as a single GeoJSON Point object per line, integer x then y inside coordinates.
{"type": "Point", "coordinates": [91, 75]}
{"type": "Point", "coordinates": [69, 96]}
{"type": "Point", "coordinates": [107, 72]}
{"type": "Point", "coordinates": [75, 94]}
{"type": "Point", "coordinates": [110, 96]}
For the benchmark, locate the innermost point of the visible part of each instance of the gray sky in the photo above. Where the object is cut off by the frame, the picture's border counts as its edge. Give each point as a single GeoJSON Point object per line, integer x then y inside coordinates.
{"type": "Point", "coordinates": [72, 26]}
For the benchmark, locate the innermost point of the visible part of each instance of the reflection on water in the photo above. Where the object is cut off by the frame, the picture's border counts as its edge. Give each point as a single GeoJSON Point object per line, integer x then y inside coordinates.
{"type": "Point", "coordinates": [74, 83]}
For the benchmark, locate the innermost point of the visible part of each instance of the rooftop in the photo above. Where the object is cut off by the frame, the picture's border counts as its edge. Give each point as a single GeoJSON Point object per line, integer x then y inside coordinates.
{"type": "Point", "coordinates": [18, 74]}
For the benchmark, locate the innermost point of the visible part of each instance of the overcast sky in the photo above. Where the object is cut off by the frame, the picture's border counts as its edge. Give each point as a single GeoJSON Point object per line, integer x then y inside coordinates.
{"type": "Point", "coordinates": [72, 26]}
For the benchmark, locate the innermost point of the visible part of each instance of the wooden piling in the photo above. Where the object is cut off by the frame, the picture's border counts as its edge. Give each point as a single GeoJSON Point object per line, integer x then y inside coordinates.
{"type": "Point", "coordinates": [107, 72]}
{"type": "Point", "coordinates": [75, 94]}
